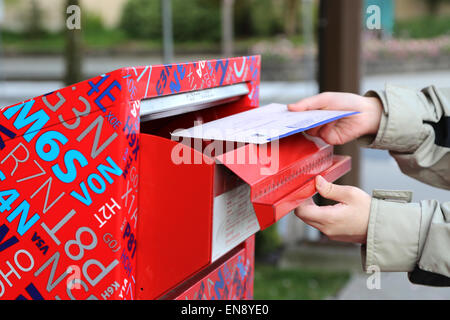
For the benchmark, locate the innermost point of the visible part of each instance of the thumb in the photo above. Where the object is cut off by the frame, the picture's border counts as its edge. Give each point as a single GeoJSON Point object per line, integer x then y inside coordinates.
{"type": "Point", "coordinates": [333, 191]}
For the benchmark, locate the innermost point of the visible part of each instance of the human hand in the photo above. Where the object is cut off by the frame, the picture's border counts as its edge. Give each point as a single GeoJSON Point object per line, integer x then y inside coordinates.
{"type": "Point", "coordinates": [346, 221]}
{"type": "Point", "coordinates": [348, 128]}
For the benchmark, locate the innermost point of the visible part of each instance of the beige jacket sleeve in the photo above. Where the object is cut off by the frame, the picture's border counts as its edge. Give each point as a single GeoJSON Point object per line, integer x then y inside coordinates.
{"type": "Point", "coordinates": [412, 237]}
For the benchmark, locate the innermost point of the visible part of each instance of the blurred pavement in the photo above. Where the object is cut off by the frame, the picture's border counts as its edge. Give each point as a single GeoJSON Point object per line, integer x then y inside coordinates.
{"type": "Point", "coordinates": [334, 256]}
{"type": "Point", "coordinates": [393, 286]}
{"type": "Point", "coordinates": [50, 68]}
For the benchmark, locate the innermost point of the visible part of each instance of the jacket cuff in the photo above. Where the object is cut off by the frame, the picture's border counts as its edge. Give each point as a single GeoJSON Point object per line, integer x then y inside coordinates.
{"type": "Point", "coordinates": [393, 236]}
{"type": "Point", "coordinates": [401, 126]}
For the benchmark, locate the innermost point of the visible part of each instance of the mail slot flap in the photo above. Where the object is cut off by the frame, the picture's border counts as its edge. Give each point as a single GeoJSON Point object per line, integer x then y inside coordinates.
{"type": "Point", "coordinates": [282, 170]}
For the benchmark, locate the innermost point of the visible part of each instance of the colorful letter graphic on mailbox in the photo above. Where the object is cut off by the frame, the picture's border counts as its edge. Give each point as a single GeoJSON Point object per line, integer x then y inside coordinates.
{"type": "Point", "coordinates": [69, 180]}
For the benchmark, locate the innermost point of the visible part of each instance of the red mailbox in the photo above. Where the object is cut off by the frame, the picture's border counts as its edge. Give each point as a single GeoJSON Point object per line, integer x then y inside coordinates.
{"type": "Point", "coordinates": [98, 202]}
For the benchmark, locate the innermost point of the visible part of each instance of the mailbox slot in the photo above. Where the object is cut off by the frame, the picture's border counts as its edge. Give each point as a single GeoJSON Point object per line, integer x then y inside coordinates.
{"type": "Point", "coordinates": [166, 106]}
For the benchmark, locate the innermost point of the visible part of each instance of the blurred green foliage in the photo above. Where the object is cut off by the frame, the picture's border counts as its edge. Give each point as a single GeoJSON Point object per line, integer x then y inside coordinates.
{"type": "Point", "coordinates": [273, 283]}
{"type": "Point", "coordinates": [196, 27]}
{"type": "Point", "coordinates": [142, 19]}
{"type": "Point", "coordinates": [200, 20]}
{"type": "Point", "coordinates": [267, 242]}
{"type": "Point", "coordinates": [259, 18]}
{"type": "Point", "coordinates": [91, 22]}
{"type": "Point", "coordinates": [192, 20]}
{"type": "Point", "coordinates": [96, 35]}
{"type": "Point", "coordinates": [33, 25]}
{"type": "Point", "coordinates": [23, 43]}
{"type": "Point", "coordinates": [422, 27]}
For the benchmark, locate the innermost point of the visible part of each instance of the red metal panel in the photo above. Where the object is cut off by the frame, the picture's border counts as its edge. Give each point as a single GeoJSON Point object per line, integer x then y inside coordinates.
{"type": "Point", "coordinates": [258, 163]}
{"type": "Point", "coordinates": [231, 279]}
{"type": "Point", "coordinates": [250, 262]}
{"type": "Point", "coordinates": [175, 218]}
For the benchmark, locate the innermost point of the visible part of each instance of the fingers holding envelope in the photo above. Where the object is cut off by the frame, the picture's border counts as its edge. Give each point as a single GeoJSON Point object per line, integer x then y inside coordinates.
{"type": "Point", "coordinates": [345, 221]}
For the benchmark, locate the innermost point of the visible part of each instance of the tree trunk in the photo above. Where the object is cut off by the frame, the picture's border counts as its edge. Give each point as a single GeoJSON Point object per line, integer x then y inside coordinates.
{"type": "Point", "coordinates": [168, 52]}
{"type": "Point", "coordinates": [291, 19]}
{"type": "Point", "coordinates": [339, 61]}
{"type": "Point", "coordinates": [433, 6]}
{"type": "Point", "coordinates": [227, 27]}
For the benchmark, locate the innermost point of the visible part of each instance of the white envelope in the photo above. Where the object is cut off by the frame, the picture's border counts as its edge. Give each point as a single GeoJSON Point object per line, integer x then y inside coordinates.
{"type": "Point", "coordinates": [261, 125]}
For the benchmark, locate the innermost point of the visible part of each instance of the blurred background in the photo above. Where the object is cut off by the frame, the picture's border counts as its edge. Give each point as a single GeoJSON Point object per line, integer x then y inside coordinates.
{"type": "Point", "coordinates": [307, 46]}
